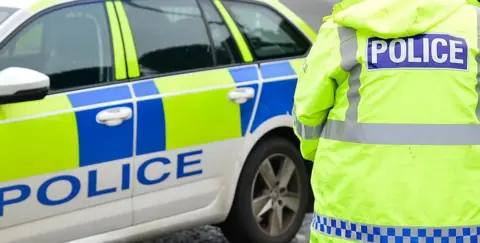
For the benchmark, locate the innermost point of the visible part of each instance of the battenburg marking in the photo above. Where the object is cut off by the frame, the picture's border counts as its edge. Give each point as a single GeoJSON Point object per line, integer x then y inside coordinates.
{"type": "Point", "coordinates": [437, 51]}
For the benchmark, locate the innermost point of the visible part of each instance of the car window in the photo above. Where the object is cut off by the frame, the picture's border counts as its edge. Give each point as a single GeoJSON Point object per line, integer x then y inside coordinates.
{"type": "Point", "coordinates": [5, 13]}
{"type": "Point", "coordinates": [30, 43]}
{"type": "Point", "coordinates": [170, 36]}
{"type": "Point", "coordinates": [269, 34]}
{"type": "Point", "coordinates": [226, 50]}
{"type": "Point", "coordinates": [71, 45]}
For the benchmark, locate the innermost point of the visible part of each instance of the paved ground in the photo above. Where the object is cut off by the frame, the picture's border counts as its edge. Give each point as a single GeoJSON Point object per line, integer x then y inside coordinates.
{"type": "Point", "coordinates": [312, 11]}
{"type": "Point", "coordinates": [209, 234]}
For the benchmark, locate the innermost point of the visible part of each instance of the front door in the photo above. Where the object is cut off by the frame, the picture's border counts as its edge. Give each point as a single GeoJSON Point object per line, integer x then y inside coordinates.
{"type": "Point", "coordinates": [65, 161]}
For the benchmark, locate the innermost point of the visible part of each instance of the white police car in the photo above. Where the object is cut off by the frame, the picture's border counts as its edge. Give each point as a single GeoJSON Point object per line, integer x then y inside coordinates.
{"type": "Point", "coordinates": [122, 119]}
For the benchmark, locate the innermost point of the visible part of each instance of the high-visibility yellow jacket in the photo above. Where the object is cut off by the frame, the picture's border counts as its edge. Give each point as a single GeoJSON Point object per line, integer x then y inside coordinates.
{"type": "Point", "coordinates": [474, 2]}
{"type": "Point", "coordinates": [388, 110]}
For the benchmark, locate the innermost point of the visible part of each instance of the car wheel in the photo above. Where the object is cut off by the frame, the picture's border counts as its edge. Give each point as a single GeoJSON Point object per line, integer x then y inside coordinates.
{"type": "Point", "coordinates": [271, 197]}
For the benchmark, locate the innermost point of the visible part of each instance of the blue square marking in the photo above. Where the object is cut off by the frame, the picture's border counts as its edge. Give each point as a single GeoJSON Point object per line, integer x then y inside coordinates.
{"type": "Point", "coordinates": [406, 232]}
{"type": "Point", "coordinates": [452, 232]}
{"type": "Point", "coordinates": [370, 238]}
{"type": "Point", "coordinates": [437, 232]}
{"type": "Point", "coordinates": [354, 226]}
{"type": "Point", "coordinates": [275, 70]}
{"type": "Point", "coordinates": [334, 223]}
{"type": "Point", "coordinates": [99, 143]}
{"type": "Point", "coordinates": [466, 231]}
{"type": "Point", "coordinates": [145, 88]}
{"type": "Point", "coordinates": [364, 229]}
{"type": "Point", "coordinates": [474, 238]}
{"type": "Point", "coordinates": [343, 224]}
{"type": "Point", "coordinates": [244, 74]}
{"type": "Point", "coordinates": [422, 232]}
{"type": "Point", "coordinates": [384, 239]}
{"type": "Point", "coordinates": [430, 240]}
{"type": "Point", "coordinates": [398, 239]}
{"type": "Point", "coordinates": [391, 231]}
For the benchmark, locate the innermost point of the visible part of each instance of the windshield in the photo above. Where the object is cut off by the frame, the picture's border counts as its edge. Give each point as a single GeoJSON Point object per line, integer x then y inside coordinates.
{"type": "Point", "coordinates": [5, 13]}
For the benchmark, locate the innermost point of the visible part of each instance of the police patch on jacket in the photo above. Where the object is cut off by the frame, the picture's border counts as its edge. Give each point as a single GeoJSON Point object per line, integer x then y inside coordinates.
{"type": "Point", "coordinates": [425, 51]}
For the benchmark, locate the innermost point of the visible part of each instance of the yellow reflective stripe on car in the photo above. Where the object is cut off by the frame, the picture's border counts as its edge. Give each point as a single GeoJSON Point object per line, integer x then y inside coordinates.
{"type": "Point", "coordinates": [237, 35]}
{"type": "Point", "coordinates": [118, 51]}
{"type": "Point", "coordinates": [297, 65]}
{"type": "Point", "coordinates": [188, 115]}
{"type": "Point", "coordinates": [41, 5]}
{"type": "Point", "coordinates": [33, 108]}
{"type": "Point", "coordinates": [131, 51]}
{"type": "Point", "coordinates": [38, 134]}
{"type": "Point", "coordinates": [294, 18]}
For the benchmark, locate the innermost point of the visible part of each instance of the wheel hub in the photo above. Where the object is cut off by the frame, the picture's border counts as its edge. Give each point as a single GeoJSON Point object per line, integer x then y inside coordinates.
{"type": "Point", "coordinates": [275, 194]}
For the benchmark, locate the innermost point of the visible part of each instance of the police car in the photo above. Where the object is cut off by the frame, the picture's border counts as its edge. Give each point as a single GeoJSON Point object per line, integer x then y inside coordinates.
{"type": "Point", "coordinates": [123, 119]}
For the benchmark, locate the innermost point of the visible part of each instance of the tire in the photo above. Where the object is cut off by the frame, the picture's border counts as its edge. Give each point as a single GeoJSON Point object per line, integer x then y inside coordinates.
{"type": "Point", "coordinates": [241, 226]}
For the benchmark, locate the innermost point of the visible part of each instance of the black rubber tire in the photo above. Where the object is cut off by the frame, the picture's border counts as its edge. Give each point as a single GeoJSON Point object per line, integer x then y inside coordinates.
{"type": "Point", "coordinates": [240, 225]}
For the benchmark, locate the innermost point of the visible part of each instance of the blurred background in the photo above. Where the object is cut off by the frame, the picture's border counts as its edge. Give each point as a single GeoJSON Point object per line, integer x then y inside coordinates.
{"type": "Point", "coordinates": [312, 11]}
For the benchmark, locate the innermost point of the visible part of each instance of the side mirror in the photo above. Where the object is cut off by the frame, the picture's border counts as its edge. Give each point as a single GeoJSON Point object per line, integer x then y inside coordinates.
{"type": "Point", "coordinates": [22, 84]}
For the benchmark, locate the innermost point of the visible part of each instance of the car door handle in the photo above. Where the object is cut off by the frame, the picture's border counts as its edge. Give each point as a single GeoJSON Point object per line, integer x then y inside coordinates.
{"type": "Point", "coordinates": [241, 95]}
{"type": "Point", "coordinates": [114, 116]}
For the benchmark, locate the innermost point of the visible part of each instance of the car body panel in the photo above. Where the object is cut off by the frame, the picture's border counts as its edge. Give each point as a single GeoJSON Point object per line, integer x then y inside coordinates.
{"type": "Point", "coordinates": [83, 172]}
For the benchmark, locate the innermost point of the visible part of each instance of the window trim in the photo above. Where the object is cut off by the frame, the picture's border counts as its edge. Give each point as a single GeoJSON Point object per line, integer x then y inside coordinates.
{"type": "Point", "coordinates": [53, 8]}
{"type": "Point", "coordinates": [209, 32]}
{"type": "Point", "coordinates": [237, 35]}
{"type": "Point", "coordinates": [288, 20]}
{"type": "Point", "coordinates": [226, 26]}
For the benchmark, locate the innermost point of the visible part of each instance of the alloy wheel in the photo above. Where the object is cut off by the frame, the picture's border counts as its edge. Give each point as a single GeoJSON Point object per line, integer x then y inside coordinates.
{"type": "Point", "coordinates": [276, 194]}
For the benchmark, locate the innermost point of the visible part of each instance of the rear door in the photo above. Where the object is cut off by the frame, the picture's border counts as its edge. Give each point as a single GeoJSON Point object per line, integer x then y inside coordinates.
{"type": "Point", "coordinates": [279, 48]}
{"type": "Point", "coordinates": [192, 112]}
{"type": "Point", "coordinates": [65, 160]}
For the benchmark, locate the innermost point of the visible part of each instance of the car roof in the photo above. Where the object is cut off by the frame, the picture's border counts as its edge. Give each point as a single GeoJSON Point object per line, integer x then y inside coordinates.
{"type": "Point", "coordinates": [19, 3]}
{"type": "Point", "coordinates": [23, 4]}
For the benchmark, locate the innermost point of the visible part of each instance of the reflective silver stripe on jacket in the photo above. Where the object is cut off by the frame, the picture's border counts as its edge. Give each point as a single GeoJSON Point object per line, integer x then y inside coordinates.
{"type": "Point", "coordinates": [373, 133]}
{"type": "Point", "coordinates": [360, 232]}
{"type": "Point", "coordinates": [345, 34]}
{"type": "Point", "coordinates": [305, 131]}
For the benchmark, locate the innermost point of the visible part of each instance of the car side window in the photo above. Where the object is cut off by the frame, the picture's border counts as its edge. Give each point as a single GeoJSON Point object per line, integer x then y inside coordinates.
{"type": "Point", "coordinates": [268, 34]}
{"type": "Point", "coordinates": [71, 45]}
{"type": "Point", "coordinates": [170, 36]}
{"type": "Point", "coordinates": [226, 49]}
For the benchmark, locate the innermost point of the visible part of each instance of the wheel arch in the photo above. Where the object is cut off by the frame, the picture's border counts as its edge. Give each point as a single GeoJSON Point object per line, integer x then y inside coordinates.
{"type": "Point", "coordinates": [282, 131]}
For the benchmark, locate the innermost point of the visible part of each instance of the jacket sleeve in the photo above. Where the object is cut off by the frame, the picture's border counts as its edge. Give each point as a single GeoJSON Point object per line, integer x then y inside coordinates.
{"type": "Point", "coordinates": [315, 91]}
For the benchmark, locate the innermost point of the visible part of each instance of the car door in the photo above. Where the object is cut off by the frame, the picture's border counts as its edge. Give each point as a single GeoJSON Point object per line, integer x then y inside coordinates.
{"type": "Point", "coordinates": [280, 48]}
{"type": "Point", "coordinates": [66, 160]}
{"type": "Point", "coordinates": [192, 112]}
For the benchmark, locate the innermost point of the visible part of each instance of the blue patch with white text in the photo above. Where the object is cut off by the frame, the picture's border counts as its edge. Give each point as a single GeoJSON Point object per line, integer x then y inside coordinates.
{"type": "Point", "coordinates": [425, 51]}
